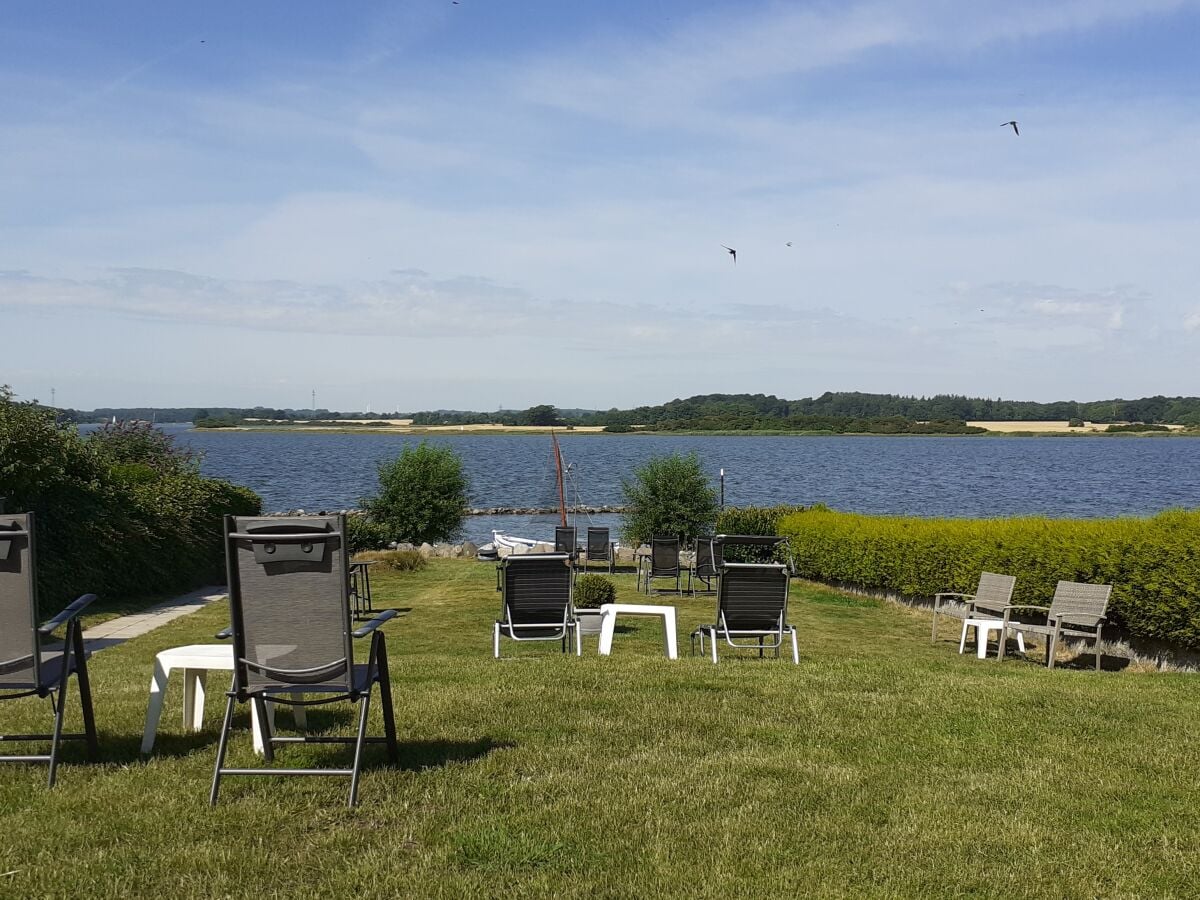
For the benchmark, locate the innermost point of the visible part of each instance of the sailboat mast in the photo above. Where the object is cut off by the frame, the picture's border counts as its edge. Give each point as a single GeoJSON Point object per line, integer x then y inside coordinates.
{"type": "Point", "coordinates": [558, 470]}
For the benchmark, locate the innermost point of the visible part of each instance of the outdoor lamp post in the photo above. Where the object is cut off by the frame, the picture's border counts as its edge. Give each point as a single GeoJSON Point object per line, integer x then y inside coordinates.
{"type": "Point", "coordinates": [722, 489]}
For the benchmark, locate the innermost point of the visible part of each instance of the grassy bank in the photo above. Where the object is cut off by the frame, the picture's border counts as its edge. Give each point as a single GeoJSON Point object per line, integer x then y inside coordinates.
{"type": "Point", "coordinates": [882, 765]}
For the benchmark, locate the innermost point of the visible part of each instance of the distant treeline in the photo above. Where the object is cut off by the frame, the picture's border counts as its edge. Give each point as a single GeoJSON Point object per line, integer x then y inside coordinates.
{"type": "Point", "coordinates": [827, 412]}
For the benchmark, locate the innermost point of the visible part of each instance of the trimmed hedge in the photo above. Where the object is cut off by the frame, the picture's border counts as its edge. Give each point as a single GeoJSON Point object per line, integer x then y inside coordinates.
{"type": "Point", "coordinates": [122, 514]}
{"type": "Point", "coordinates": [1153, 563]}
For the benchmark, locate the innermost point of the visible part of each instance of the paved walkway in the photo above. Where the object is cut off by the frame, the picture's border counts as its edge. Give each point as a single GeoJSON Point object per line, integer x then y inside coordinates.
{"type": "Point", "coordinates": [119, 630]}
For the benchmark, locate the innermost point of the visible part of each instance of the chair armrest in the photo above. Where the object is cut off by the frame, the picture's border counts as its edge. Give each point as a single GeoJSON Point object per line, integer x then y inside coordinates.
{"type": "Point", "coordinates": [375, 623]}
{"type": "Point", "coordinates": [938, 596]}
{"type": "Point", "coordinates": [67, 615]}
{"type": "Point", "coordinates": [224, 634]}
{"type": "Point", "coordinates": [1025, 606]}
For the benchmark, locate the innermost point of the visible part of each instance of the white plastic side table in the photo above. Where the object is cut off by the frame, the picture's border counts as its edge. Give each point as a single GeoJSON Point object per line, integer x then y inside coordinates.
{"type": "Point", "coordinates": [197, 660]}
{"type": "Point", "coordinates": [608, 622]}
{"type": "Point", "coordinates": [983, 627]}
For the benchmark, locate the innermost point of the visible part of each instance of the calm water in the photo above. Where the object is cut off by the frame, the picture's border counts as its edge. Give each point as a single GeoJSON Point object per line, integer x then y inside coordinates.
{"type": "Point", "coordinates": [926, 476]}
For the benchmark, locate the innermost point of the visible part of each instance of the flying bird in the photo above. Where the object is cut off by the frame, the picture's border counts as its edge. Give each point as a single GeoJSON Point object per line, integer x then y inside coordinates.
{"type": "Point", "coordinates": [1013, 123]}
{"type": "Point", "coordinates": [789, 243]}
{"type": "Point", "coordinates": [732, 253]}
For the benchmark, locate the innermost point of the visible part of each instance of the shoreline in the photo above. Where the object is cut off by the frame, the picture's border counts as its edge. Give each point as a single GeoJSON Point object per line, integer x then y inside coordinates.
{"type": "Point", "coordinates": [591, 431]}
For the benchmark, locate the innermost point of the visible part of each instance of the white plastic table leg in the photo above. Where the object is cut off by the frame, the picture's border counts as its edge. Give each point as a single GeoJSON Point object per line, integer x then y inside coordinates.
{"type": "Point", "coordinates": [669, 639]}
{"type": "Point", "coordinates": [193, 698]}
{"type": "Point", "coordinates": [158, 687]}
{"type": "Point", "coordinates": [608, 622]}
{"type": "Point", "coordinates": [962, 641]}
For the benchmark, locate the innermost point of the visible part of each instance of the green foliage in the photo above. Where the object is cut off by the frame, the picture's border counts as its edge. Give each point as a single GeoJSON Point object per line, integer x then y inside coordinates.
{"type": "Point", "coordinates": [423, 494]}
{"type": "Point", "coordinates": [668, 495]}
{"type": "Point", "coordinates": [363, 534]}
{"type": "Point", "coordinates": [592, 591]}
{"type": "Point", "coordinates": [394, 560]}
{"type": "Point", "coordinates": [1075, 423]}
{"type": "Point", "coordinates": [1152, 563]}
{"type": "Point", "coordinates": [617, 429]}
{"type": "Point", "coordinates": [1135, 427]}
{"type": "Point", "coordinates": [540, 415]}
{"type": "Point", "coordinates": [122, 514]}
{"type": "Point", "coordinates": [753, 520]}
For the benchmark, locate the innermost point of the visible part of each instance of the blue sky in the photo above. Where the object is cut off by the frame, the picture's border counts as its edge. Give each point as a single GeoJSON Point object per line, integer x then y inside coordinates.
{"type": "Point", "coordinates": [428, 204]}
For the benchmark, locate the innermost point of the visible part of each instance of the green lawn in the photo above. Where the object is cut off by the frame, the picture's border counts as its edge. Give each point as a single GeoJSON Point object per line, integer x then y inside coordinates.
{"type": "Point", "coordinates": [881, 766]}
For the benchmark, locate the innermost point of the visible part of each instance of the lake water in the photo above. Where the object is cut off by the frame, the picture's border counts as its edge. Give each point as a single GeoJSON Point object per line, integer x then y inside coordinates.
{"type": "Point", "coordinates": [924, 476]}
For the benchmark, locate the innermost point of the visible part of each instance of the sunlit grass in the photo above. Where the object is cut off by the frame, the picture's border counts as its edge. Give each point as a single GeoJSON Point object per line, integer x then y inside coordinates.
{"type": "Point", "coordinates": [881, 765]}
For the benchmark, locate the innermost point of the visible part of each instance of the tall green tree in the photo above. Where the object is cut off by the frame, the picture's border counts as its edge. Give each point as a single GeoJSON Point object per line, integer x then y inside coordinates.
{"type": "Point", "coordinates": [541, 415]}
{"type": "Point", "coordinates": [422, 494]}
{"type": "Point", "coordinates": [669, 495]}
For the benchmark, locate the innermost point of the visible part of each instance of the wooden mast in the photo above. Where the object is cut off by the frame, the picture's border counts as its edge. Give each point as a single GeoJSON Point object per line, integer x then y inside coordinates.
{"type": "Point", "coordinates": [558, 469]}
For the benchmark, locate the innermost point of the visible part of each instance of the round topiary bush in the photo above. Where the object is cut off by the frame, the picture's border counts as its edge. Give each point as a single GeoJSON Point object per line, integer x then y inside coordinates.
{"type": "Point", "coordinates": [591, 591]}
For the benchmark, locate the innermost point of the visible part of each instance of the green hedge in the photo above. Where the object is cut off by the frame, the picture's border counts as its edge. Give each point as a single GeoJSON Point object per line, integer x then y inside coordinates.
{"type": "Point", "coordinates": [122, 514]}
{"type": "Point", "coordinates": [1152, 563]}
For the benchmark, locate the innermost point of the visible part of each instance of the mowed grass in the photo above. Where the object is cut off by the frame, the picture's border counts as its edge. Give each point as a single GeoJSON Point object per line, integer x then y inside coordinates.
{"type": "Point", "coordinates": [882, 765]}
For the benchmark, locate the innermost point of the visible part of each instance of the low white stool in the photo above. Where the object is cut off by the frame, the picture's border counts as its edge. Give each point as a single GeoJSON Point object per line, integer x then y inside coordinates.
{"type": "Point", "coordinates": [983, 627]}
{"type": "Point", "coordinates": [197, 660]}
{"type": "Point", "coordinates": [608, 622]}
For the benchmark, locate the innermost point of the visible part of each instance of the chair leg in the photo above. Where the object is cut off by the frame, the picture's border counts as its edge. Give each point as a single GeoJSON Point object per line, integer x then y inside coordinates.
{"type": "Point", "coordinates": [385, 697]}
{"type": "Point", "coordinates": [496, 640]}
{"type": "Point", "coordinates": [222, 746]}
{"type": "Point", "coordinates": [713, 640]}
{"type": "Point", "coordinates": [933, 636]}
{"type": "Point", "coordinates": [56, 739]}
{"type": "Point", "coordinates": [85, 695]}
{"type": "Point", "coordinates": [358, 748]}
{"type": "Point", "coordinates": [578, 641]}
{"type": "Point", "coordinates": [795, 648]}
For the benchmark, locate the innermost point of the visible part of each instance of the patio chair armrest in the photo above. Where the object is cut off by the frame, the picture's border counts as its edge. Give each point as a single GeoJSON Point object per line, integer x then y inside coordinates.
{"type": "Point", "coordinates": [224, 634]}
{"type": "Point", "coordinates": [67, 615]}
{"type": "Point", "coordinates": [1025, 606]}
{"type": "Point", "coordinates": [383, 616]}
{"type": "Point", "coordinates": [942, 594]}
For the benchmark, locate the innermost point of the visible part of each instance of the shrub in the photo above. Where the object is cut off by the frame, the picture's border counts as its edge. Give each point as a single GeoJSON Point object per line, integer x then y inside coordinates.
{"type": "Point", "coordinates": [1075, 423]}
{"type": "Point", "coordinates": [1135, 427]}
{"type": "Point", "coordinates": [668, 495]}
{"type": "Point", "coordinates": [1151, 563]}
{"type": "Point", "coordinates": [363, 533]}
{"type": "Point", "coordinates": [591, 591]}
{"type": "Point", "coordinates": [125, 517]}
{"type": "Point", "coordinates": [617, 429]}
{"type": "Point", "coordinates": [753, 520]}
{"type": "Point", "coordinates": [395, 560]}
{"type": "Point", "coordinates": [423, 494]}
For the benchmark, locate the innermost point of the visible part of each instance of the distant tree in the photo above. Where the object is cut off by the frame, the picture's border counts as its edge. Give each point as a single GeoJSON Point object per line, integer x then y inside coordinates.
{"type": "Point", "coordinates": [669, 495]}
{"type": "Point", "coordinates": [423, 494]}
{"type": "Point", "coordinates": [541, 415]}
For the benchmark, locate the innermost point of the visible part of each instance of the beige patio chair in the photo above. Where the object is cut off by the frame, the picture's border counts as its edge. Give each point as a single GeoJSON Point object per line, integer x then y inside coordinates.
{"type": "Point", "coordinates": [1076, 611]}
{"type": "Point", "coordinates": [991, 598]}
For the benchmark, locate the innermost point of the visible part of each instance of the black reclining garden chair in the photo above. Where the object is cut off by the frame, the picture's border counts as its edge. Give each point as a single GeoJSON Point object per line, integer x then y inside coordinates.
{"type": "Point", "coordinates": [535, 601]}
{"type": "Point", "coordinates": [292, 635]}
{"type": "Point", "coordinates": [600, 548]}
{"type": "Point", "coordinates": [664, 563]}
{"type": "Point", "coordinates": [751, 610]}
{"type": "Point", "coordinates": [28, 669]}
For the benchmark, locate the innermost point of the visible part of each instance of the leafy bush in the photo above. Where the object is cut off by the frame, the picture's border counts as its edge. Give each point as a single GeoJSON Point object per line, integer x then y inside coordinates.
{"type": "Point", "coordinates": [592, 591]}
{"type": "Point", "coordinates": [395, 560]}
{"type": "Point", "coordinates": [363, 533]}
{"type": "Point", "coordinates": [668, 495]}
{"type": "Point", "coordinates": [617, 429]}
{"type": "Point", "coordinates": [1075, 423]}
{"type": "Point", "coordinates": [753, 520]}
{"type": "Point", "coordinates": [423, 494]}
{"type": "Point", "coordinates": [1135, 427]}
{"type": "Point", "coordinates": [1152, 563]}
{"type": "Point", "coordinates": [123, 515]}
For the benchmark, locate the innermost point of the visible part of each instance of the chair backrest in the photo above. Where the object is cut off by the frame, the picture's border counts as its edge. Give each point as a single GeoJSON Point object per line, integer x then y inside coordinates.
{"type": "Point", "coordinates": [289, 581]}
{"type": "Point", "coordinates": [709, 556]}
{"type": "Point", "coordinates": [664, 556]}
{"type": "Point", "coordinates": [1080, 604]}
{"type": "Point", "coordinates": [752, 596]}
{"type": "Point", "coordinates": [536, 589]}
{"type": "Point", "coordinates": [565, 540]}
{"type": "Point", "coordinates": [994, 591]}
{"type": "Point", "coordinates": [755, 548]}
{"type": "Point", "coordinates": [598, 544]}
{"type": "Point", "coordinates": [19, 657]}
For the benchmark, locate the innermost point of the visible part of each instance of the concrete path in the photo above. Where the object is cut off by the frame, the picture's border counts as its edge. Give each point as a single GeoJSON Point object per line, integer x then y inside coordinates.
{"type": "Point", "coordinates": [119, 630]}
